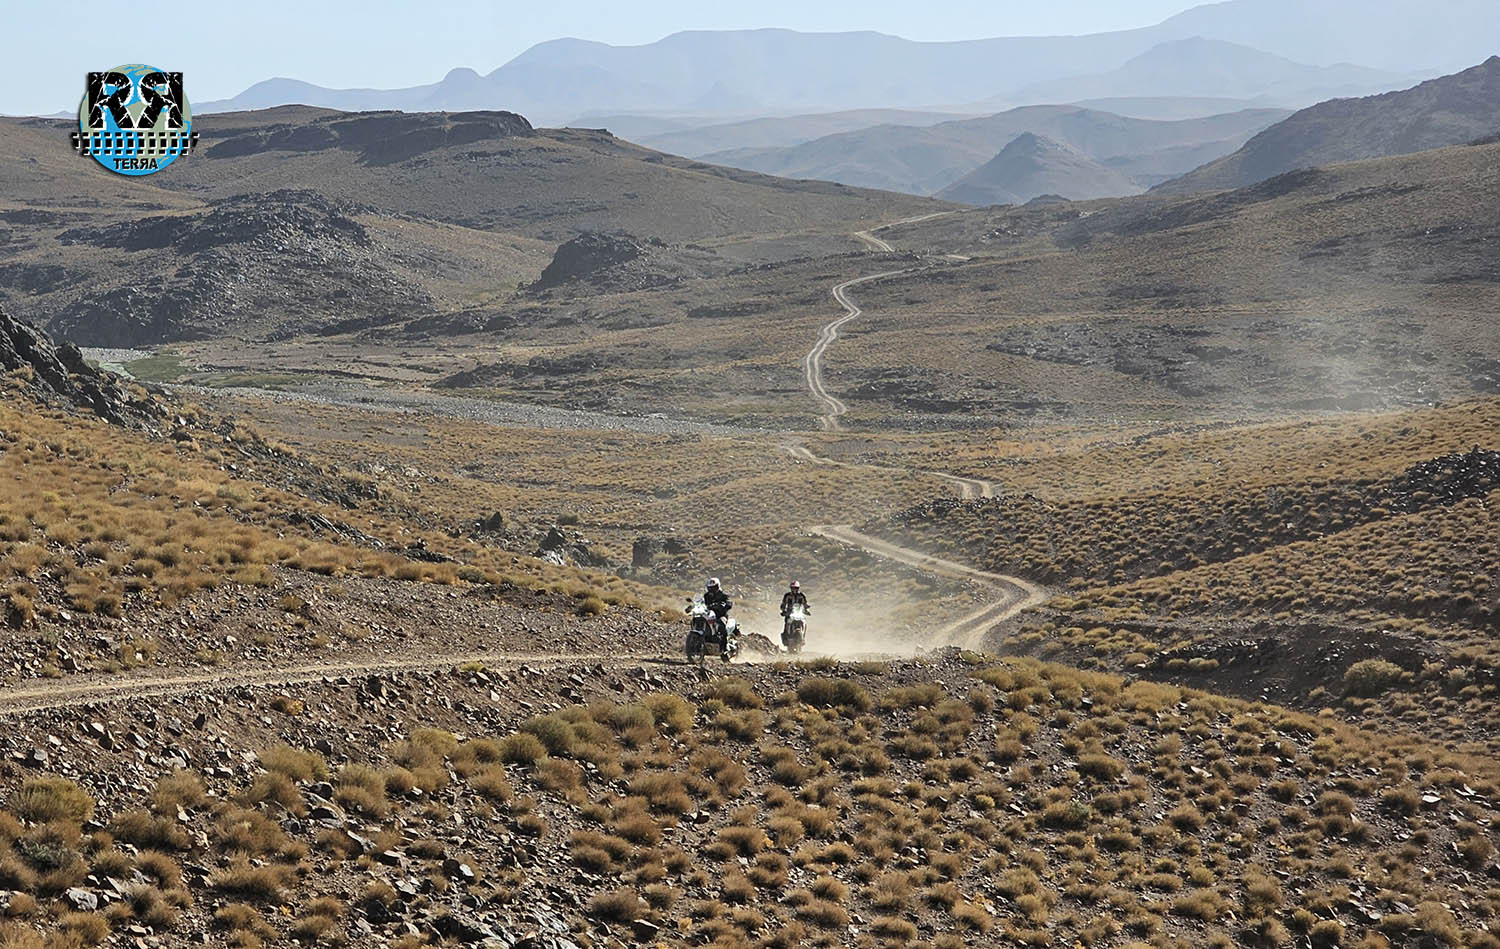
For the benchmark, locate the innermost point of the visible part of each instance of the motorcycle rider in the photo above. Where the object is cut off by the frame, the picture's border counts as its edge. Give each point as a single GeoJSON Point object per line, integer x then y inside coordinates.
{"type": "Point", "coordinates": [718, 603]}
{"type": "Point", "coordinates": [791, 599]}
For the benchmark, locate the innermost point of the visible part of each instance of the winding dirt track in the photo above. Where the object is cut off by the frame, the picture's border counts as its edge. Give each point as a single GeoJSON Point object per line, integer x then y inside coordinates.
{"type": "Point", "coordinates": [967, 631]}
{"type": "Point", "coordinates": [968, 488]}
{"type": "Point", "coordinates": [91, 690]}
{"type": "Point", "coordinates": [812, 363]}
{"type": "Point", "coordinates": [869, 239]}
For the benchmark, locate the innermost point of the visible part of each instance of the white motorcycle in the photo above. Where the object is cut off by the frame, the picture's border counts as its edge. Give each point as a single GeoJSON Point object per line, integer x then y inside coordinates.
{"type": "Point", "coordinates": [794, 629]}
{"type": "Point", "coordinates": [705, 629]}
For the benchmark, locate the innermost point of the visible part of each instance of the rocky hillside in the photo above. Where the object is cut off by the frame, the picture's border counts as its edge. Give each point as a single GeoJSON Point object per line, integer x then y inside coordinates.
{"type": "Point", "coordinates": [1032, 166]}
{"type": "Point", "coordinates": [288, 262]}
{"type": "Point", "coordinates": [59, 374]}
{"type": "Point", "coordinates": [1452, 110]}
{"type": "Point", "coordinates": [620, 262]}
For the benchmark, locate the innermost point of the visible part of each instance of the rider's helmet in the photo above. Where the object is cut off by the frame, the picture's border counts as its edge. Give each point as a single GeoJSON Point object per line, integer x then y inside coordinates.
{"type": "Point", "coordinates": [796, 585]}
{"type": "Point", "coordinates": [713, 583]}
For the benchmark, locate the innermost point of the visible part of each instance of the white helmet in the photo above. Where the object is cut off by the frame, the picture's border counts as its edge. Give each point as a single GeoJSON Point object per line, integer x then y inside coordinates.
{"type": "Point", "coordinates": [713, 583]}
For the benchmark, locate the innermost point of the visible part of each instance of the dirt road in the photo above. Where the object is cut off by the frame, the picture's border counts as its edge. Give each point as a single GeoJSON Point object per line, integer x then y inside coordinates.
{"type": "Point", "coordinates": [968, 631]}
{"type": "Point", "coordinates": [968, 488]}
{"type": "Point", "coordinates": [87, 690]}
{"type": "Point", "coordinates": [812, 363]}
{"type": "Point", "coordinates": [869, 239]}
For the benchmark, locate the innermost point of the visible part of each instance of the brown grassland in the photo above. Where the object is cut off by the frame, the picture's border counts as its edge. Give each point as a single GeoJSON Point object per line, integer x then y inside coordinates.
{"type": "Point", "coordinates": [934, 803]}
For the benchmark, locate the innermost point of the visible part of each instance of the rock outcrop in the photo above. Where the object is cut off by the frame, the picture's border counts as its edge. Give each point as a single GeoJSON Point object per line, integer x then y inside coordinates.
{"type": "Point", "coordinates": [59, 373]}
{"type": "Point", "coordinates": [620, 262]}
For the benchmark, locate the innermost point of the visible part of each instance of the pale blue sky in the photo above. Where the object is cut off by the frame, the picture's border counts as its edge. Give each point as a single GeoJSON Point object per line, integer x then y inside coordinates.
{"type": "Point", "coordinates": [225, 46]}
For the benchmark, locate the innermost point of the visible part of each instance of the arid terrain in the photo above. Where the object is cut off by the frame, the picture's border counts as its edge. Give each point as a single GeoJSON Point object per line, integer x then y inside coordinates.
{"type": "Point", "coordinates": [1150, 541]}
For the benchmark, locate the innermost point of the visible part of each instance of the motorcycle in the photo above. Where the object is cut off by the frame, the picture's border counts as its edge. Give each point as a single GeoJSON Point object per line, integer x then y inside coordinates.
{"type": "Point", "coordinates": [698, 630]}
{"type": "Point", "coordinates": [724, 633]}
{"type": "Point", "coordinates": [794, 629]}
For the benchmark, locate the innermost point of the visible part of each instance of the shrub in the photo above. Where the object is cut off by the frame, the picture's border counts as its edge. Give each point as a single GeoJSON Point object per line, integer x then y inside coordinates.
{"type": "Point", "coordinates": [522, 748]}
{"type": "Point", "coordinates": [19, 936]}
{"type": "Point", "coordinates": [617, 906]}
{"type": "Point", "coordinates": [1008, 750]}
{"type": "Point", "coordinates": [311, 927]}
{"type": "Point", "coordinates": [891, 892]}
{"type": "Point", "coordinates": [177, 789]}
{"type": "Point", "coordinates": [150, 905]}
{"type": "Point", "coordinates": [1100, 767]}
{"type": "Point", "coordinates": [822, 914]}
{"type": "Point", "coordinates": [737, 889]}
{"type": "Point", "coordinates": [553, 731]}
{"type": "Point", "coordinates": [1326, 932]}
{"type": "Point", "coordinates": [556, 774]}
{"type": "Point", "coordinates": [492, 785]}
{"type": "Point", "coordinates": [973, 917]}
{"type": "Point", "coordinates": [736, 693]}
{"type": "Point", "coordinates": [361, 788]}
{"type": "Point", "coordinates": [672, 713]}
{"type": "Point", "coordinates": [894, 928]}
{"type": "Point", "coordinates": [1475, 849]}
{"type": "Point", "coordinates": [637, 828]}
{"type": "Point", "coordinates": [834, 693]}
{"type": "Point", "coordinates": [1186, 817]}
{"type": "Point", "coordinates": [293, 763]}
{"type": "Point", "coordinates": [273, 787]}
{"type": "Point", "coordinates": [261, 884]}
{"type": "Point", "coordinates": [42, 800]}
{"type": "Point", "coordinates": [1371, 677]}
{"type": "Point", "coordinates": [1203, 904]}
{"type": "Point", "coordinates": [89, 929]}
{"type": "Point", "coordinates": [747, 841]}
{"type": "Point", "coordinates": [250, 832]}
{"type": "Point", "coordinates": [144, 829]}
{"type": "Point", "coordinates": [664, 792]}
{"type": "Point", "coordinates": [474, 754]}
{"type": "Point", "coordinates": [830, 888]}
{"type": "Point", "coordinates": [159, 867]}
{"type": "Point", "coordinates": [1401, 800]}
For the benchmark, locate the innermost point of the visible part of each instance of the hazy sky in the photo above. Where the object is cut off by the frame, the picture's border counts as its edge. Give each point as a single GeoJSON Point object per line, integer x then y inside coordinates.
{"type": "Point", "coordinates": [225, 46]}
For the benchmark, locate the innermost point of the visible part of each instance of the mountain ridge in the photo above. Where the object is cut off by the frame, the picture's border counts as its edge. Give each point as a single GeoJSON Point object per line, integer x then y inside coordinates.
{"type": "Point", "coordinates": [1449, 110]}
{"type": "Point", "coordinates": [926, 160]}
{"type": "Point", "coordinates": [1031, 166]}
{"type": "Point", "coordinates": [557, 80]}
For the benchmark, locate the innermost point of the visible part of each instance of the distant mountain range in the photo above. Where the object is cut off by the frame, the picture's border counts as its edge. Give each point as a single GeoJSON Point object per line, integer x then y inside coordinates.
{"type": "Point", "coordinates": [1217, 68]}
{"type": "Point", "coordinates": [762, 72]}
{"type": "Point", "coordinates": [926, 160]}
{"type": "Point", "coordinates": [1451, 110]}
{"type": "Point", "coordinates": [774, 131]}
{"type": "Point", "coordinates": [1032, 166]}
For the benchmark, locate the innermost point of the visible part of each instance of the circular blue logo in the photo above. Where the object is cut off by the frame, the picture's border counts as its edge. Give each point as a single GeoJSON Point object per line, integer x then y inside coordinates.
{"type": "Point", "coordinates": [135, 120]}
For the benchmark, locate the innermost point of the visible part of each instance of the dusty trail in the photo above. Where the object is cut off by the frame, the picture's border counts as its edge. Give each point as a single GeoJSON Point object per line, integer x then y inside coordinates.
{"type": "Point", "coordinates": [967, 631]}
{"type": "Point", "coordinates": [812, 363]}
{"type": "Point", "coordinates": [968, 488]}
{"type": "Point", "coordinates": [53, 695]}
{"type": "Point", "coordinates": [1015, 594]}
{"type": "Point", "coordinates": [869, 239]}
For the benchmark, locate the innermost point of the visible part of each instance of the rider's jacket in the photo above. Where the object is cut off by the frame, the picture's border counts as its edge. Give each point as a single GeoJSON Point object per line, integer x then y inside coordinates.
{"type": "Point", "coordinates": [718, 601]}
{"type": "Point", "coordinates": [792, 598]}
